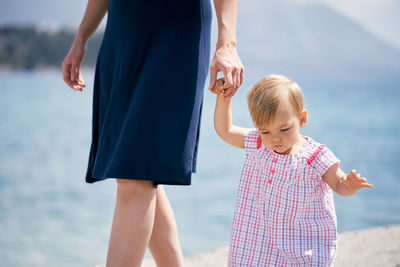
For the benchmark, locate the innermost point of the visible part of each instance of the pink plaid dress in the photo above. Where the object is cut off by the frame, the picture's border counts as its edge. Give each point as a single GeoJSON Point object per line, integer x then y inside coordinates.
{"type": "Point", "coordinates": [285, 214]}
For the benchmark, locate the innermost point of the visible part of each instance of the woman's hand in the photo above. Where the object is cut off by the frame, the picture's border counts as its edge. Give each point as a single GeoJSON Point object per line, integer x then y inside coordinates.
{"type": "Point", "coordinates": [227, 60]}
{"type": "Point", "coordinates": [71, 66]}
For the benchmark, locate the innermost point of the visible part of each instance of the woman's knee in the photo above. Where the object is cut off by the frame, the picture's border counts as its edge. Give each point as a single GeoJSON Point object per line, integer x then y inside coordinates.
{"type": "Point", "coordinates": [131, 188]}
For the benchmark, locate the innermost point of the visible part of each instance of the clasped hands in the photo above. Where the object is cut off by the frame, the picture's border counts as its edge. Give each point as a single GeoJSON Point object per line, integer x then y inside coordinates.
{"type": "Point", "coordinates": [227, 61]}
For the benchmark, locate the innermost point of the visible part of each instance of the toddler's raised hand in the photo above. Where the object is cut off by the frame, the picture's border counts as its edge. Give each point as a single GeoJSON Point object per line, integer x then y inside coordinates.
{"type": "Point", "coordinates": [354, 181]}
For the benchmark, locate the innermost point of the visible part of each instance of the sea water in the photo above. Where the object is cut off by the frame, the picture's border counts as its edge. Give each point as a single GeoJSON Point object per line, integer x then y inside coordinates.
{"type": "Point", "coordinates": [49, 216]}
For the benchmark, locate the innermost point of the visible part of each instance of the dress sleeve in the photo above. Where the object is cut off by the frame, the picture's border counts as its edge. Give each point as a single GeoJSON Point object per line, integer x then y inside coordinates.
{"type": "Point", "coordinates": [250, 140]}
{"type": "Point", "coordinates": [322, 159]}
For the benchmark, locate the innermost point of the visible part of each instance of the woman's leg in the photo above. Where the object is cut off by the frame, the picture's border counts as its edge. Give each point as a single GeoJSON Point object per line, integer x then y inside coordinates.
{"type": "Point", "coordinates": [132, 223]}
{"type": "Point", "coordinates": [164, 242]}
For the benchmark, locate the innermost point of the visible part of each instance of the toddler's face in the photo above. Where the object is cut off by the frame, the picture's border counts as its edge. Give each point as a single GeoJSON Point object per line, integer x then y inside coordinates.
{"type": "Point", "coordinates": [282, 134]}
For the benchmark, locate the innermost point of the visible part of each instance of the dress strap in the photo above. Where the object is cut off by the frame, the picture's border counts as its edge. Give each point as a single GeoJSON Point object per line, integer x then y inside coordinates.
{"type": "Point", "coordinates": [259, 142]}
{"type": "Point", "coordinates": [315, 154]}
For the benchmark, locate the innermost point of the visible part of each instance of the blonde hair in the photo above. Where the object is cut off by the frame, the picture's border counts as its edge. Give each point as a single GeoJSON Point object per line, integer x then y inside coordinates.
{"type": "Point", "coordinates": [267, 94]}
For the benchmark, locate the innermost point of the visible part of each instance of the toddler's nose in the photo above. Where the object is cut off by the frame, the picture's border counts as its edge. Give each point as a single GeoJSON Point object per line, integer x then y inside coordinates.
{"type": "Point", "coordinates": [276, 138]}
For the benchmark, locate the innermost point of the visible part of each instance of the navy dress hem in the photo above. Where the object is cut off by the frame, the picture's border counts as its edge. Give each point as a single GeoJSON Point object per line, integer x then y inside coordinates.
{"type": "Point", "coordinates": [154, 178]}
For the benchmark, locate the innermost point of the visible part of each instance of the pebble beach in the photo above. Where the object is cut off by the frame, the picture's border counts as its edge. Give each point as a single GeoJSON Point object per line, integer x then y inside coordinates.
{"type": "Point", "coordinates": [374, 247]}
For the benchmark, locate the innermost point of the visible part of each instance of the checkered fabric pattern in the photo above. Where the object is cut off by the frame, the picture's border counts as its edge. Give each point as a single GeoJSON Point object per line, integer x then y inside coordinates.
{"type": "Point", "coordinates": [284, 214]}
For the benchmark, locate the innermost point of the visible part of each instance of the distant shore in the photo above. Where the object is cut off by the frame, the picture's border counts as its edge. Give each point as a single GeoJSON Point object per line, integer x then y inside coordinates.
{"type": "Point", "coordinates": [372, 247]}
{"type": "Point", "coordinates": [30, 47]}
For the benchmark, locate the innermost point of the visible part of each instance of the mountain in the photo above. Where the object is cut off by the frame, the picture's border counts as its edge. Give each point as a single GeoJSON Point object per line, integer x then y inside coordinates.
{"type": "Point", "coordinates": [380, 17]}
{"type": "Point", "coordinates": [310, 38]}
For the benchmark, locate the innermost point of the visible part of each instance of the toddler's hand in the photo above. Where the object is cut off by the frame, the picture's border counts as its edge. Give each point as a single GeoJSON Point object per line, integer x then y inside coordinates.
{"type": "Point", "coordinates": [218, 87]}
{"type": "Point", "coordinates": [354, 181]}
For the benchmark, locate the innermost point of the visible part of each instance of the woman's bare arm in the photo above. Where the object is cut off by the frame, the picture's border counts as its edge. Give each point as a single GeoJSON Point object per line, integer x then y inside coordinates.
{"type": "Point", "coordinates": [226, 58]}
{"type": "Point", "coordinates": [94, 13]}
{"type": "Point", "coordinates": [226, 11]}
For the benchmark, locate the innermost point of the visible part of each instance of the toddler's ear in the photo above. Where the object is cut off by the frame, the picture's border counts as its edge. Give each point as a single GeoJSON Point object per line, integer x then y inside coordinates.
{"type": "Point", "coordinates": [303, 118]}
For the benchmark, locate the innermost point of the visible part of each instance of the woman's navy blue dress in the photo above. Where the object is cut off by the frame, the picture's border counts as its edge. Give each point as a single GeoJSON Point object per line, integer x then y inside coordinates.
{"type": "Point", "coordinates": [148, 90]}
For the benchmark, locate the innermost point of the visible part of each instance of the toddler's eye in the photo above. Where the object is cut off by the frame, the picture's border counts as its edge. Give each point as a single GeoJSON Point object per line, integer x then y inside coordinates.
{"type": "Point", "coordinates": [284, 130]}
{"type": "Point", "coordinates": [265, 132]}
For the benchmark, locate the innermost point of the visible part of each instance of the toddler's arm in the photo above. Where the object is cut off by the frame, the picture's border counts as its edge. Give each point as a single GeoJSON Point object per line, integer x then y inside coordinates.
{"type": "Point", "coordinates": [344, 184]}
{"type": "Point", "coordinates": [231, 134]}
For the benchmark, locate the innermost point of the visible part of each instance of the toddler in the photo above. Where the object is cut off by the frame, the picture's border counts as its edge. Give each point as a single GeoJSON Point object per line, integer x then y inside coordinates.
{"type": "Point", "coordinates": [284, 214]}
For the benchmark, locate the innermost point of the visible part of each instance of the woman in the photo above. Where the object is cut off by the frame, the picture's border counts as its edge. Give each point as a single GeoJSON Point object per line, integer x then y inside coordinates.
{"type": "Point", "coordinates": [147, 99]}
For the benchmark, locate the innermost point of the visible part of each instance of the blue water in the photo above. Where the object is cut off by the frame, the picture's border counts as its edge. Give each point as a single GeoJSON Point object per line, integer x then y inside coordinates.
{"type": "Point", "coordinates": [49, 216]}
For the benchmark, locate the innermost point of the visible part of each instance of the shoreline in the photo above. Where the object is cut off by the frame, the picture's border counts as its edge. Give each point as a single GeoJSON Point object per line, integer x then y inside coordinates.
{"type": "Point", "coordinates": [371, 247]}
